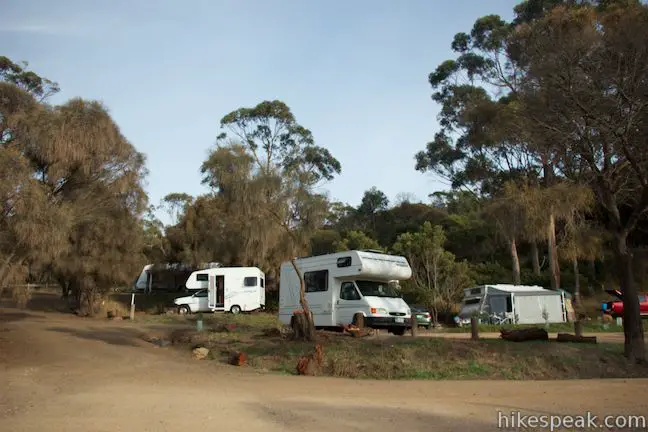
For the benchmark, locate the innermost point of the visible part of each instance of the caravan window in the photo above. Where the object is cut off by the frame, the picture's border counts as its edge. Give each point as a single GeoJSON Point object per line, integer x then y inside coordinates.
{"type": "Point", "coordinates": [250, 281]}
{"type": "Point", "coordinates": [202, 277]}
{"type": "Point", "coordinates": [509, 304]}
{"type": "Point", "coordinates": [316, 281]}
{"type": "Point", "coordinates": [472, 301]}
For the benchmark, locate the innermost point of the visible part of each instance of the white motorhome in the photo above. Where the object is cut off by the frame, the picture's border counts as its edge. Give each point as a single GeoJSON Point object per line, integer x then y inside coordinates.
{"type": "Point", "coordinates": [233, 289]}
{"type": "Point", "coordinates": [342, 286]}
{"type": "Point", "coordinates": [513, 304]}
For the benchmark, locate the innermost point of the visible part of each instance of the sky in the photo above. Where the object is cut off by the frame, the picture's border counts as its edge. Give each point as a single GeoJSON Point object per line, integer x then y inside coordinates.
{"type": "Point", "coordinates": [353, 72]}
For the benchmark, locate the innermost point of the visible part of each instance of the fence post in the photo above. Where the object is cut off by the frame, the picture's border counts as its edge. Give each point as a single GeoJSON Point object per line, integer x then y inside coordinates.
{"type": "Point", "coordinates": [414, 323]}
{"type": "Point", "coordinates": [132, 308]}
{"type": "Point", "coordinates": [474, 328]}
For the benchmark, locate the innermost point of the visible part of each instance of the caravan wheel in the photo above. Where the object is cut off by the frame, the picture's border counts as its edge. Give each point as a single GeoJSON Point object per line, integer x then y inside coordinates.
{"type": "Point", "coordinates": [235, 309]}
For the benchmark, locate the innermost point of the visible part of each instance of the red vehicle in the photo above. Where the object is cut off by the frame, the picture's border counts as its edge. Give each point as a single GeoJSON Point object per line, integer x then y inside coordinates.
{"type": "Point", "coordinates": [615, 308]}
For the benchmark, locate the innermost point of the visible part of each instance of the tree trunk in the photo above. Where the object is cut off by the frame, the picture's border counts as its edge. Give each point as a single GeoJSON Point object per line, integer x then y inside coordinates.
{"type": "Point", "coordinates": [578, 309]}
{"type": "Point", "coordinates": [535, 258]}
{"type": "Point", "coordinates": [527, 334]}
{"type": "Point", "coordinates": [308, 330]}
{"type": "Point", "coordinates": [515, 262]}
{"type": "Point", "coordinates": [566, 337]}
{"type": "Point", "coordinates": [554, 267]}
{"type": "Point", "coordinates": [4, 269]}
{"type": "Point", "coordinates": [576, 279]}
{"type": "Point", "coordinates": [591, 274]}
{"type": "Point", "coordinates": [634, 348]}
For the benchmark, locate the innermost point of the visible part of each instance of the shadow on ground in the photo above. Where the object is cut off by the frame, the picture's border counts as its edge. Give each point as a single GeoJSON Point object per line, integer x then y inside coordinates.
{"type": "Point", "coordinates": [16, 316]}
{"type": "Point", "coordinates": [40, 302]}
{"type": "Point", "coordinates": [121, 336]}
{"type": "Point", "coordinates": [300, 416]}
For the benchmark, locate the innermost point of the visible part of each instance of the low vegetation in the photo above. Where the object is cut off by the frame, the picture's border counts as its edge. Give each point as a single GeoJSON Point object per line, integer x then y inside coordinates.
{"type": "Point", "coordinates": [268, 348]}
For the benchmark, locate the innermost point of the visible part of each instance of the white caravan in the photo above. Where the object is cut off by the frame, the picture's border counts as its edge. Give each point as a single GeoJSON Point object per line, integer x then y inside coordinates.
{"type": "Point", "coordinates": [513, 304]}
{"type": "Point", "coordinates": [166, 277]}
{"type": "Point", "coordinates": [233, 289]}
{"type": "Point", "coordinates": [341, 286]}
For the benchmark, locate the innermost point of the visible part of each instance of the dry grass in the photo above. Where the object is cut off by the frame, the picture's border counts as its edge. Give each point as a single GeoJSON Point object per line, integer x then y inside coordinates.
{"type": "Point", "coordinates": [405, 357]}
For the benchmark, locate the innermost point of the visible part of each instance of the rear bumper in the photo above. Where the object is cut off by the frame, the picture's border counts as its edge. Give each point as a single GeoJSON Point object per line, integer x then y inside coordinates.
{"type": "Point", "coordinates": [386, 322]}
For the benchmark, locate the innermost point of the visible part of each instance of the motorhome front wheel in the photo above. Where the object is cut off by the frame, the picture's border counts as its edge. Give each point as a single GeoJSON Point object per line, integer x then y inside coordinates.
{"type": "Point", "coordinates": [184, 310]}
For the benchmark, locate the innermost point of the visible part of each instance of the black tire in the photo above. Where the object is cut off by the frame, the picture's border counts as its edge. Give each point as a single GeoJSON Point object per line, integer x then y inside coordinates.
{"type": "Point", "coordinates": [236, 309]}
{"type": "Point", "coordinates": [398, 331]}
{"type": "Point", "coordinates": [184, 310]}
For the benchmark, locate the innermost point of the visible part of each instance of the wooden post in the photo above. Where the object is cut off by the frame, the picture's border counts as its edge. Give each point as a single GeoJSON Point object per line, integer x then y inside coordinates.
{"type": "Point", "coordinates": [578, 328]}
{"type": "Point", "coordinates": [474, 329]}
{"type": "Point", "coordinates": [414, 323]}
{"type": "Point", "coordinates": [132, 309]}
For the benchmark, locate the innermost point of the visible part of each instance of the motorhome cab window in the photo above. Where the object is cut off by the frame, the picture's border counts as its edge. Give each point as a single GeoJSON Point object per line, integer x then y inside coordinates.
{"type": "Point", "coordinates": [376, 289]}
{"type": "Point", "coordinates": [250, 281]}
{"type": "Point", "coordinates": [202, 293]}
{"type": "Point", "coordinates": [202, 277]}
{"type": "Point", "coordinates": [348, 291]}
{"type": "Point", "coordinates": [316, 281]}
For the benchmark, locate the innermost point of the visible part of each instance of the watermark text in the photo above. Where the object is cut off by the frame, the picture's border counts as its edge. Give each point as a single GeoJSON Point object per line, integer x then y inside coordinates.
{"type": "Point", "coordinates": [517, 420]}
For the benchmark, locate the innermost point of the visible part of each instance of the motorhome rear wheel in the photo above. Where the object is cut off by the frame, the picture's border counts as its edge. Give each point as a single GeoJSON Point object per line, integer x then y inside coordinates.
{"type": "Point", "coordinates": [235, 309]}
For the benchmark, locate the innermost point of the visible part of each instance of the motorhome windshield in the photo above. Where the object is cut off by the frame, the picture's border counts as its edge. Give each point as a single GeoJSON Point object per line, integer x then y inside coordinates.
{"type": "Point", "coordinates": [376, 289]}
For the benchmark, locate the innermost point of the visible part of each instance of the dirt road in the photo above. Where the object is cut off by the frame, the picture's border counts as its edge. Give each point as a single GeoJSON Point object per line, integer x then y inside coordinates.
{"type": "Point", "coordinates": [68, 374]}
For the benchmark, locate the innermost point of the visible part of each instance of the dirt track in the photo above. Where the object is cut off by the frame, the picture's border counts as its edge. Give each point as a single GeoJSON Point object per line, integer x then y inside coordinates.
{"type": "Point", "coordinates": [69, 374]}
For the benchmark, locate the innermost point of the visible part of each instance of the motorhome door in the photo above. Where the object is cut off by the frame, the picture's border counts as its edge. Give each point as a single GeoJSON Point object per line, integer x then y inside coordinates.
{"type": "Point", "coordinates": [220, 291]}
{"type": "Point", "coordinates": [211, 289]}
{"type": "Point", "coordinates": [216, 291]}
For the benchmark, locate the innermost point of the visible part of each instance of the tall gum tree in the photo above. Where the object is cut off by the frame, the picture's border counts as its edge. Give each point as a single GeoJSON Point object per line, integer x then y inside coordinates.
{"type": "Point", "coordinates": [585, 94]}
{"type": "Point", "coordinates": [266, 157]}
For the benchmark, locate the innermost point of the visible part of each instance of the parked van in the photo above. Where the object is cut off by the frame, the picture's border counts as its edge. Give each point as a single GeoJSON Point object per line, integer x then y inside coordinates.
{"type": "Point", "coordinates": [343, 286]}
{"type": "Point", "coordinates": [233, 289]}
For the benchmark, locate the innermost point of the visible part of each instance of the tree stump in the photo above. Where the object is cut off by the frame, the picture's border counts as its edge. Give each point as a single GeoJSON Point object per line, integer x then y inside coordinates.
{"type": "Point", "coordinates": [521, 335]}
{"type": "Point", "coordinates": [303, 328]}
{"type": "Point", "coordinates": [578, 328]}
{"type": "Point", "coordinates": [566, 337]}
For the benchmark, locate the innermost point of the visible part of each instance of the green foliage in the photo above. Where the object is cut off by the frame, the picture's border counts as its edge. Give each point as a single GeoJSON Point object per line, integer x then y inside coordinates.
{"type": "Point", "coordinates": [324, 241]}
{"type": "Point", "coordinates": [356, 240]}
{"type": "Point", "coordinates": [437, 279]}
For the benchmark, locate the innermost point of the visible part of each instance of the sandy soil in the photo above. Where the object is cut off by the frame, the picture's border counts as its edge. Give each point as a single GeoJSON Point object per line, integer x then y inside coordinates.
{"type": "Point", "coordinates": [62, 373]}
